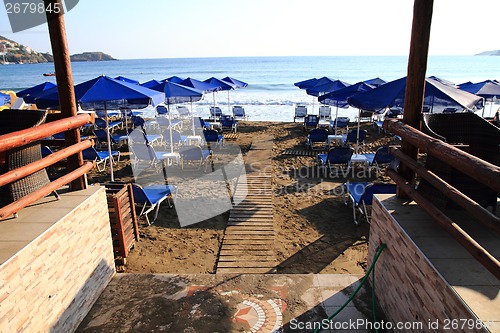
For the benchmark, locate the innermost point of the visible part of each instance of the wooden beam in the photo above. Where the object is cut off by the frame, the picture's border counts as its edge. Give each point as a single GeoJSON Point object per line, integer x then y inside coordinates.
{"type": "Point", "coordinates": [484, 216]}
{"type": "Point", "coordinates": [415, 81]}
{"type": "Point", "coordinates": [24, 137]}
{"type": "Point", "coordinates": [481, 254]}
{"type": "Point", "coordinates": [64, 77]}
{"type": "Point", "coordinates": [47, 161]}
{"type": "Point", "coordinates": [16, 206]}
{"type": "Point", "coordinates": [482, 171]}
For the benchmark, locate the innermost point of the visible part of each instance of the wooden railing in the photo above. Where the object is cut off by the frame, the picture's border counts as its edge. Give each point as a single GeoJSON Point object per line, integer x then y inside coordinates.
{"type": "Point", "coordinates": [482, 171]}
{"type": "Point", "coordinates": [20, 138]}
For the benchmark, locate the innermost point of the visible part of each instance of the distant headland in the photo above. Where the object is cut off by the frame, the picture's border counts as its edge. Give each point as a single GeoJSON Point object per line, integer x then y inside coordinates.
{"type": "Point", "coordinates": [489, 53]}
{"type": "Point", "coordinates": [12, 52]}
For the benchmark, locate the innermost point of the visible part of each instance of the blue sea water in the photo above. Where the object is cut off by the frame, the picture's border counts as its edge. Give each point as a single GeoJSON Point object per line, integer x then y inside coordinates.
{"type": "Point", "coordinates": [270, 94]}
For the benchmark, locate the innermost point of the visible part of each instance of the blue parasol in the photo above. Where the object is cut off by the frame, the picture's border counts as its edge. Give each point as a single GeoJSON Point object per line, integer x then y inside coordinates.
{"type": "Point", "coordinates": [103, 93]}
{"type": "Point", "coordinates": [30, 94]}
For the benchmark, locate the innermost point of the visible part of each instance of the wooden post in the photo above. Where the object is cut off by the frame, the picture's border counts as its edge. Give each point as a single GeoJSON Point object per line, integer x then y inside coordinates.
{"type": "Point", "coordinates": [64, 77]}
{"type": "Point", "coordinates": [415, 81]}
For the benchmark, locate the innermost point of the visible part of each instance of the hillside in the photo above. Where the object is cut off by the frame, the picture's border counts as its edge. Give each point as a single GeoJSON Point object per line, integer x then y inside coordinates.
{"type": "Point", "coordinates": [91, 56]}
{"type": "Point", "coordinates": [13, 52]}
{"type": "Point", "coordinates": [489, 53]}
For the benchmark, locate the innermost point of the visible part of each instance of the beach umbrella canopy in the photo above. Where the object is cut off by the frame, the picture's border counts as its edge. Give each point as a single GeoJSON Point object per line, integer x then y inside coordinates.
{"type": "Point", "coordinates": [339, 98]}
{"type": "Point", "coordinates": [487, 89]}
{"type": "Point", "coordinates": [4, 99]}
{"type": "Point", "coordinates": [392, 94]}
{"type": "Point", "coordinates": [126, 79]}
{"type": "Point", "coordinates": [443, 81]}
{"type": "Point", "coordinates": [105, 93]}
{"type": "Point", "coordinates": [306, 83]}
{"type": "Point", "coordinates": [199, 85]}
{"type": "Point", "coordinates": [150, 83]}
{"type": "Point", "coordinates": [223, 85]}
{"type": "Point", "coordinates": [174, 79]}
{"type": "Point", "coordinates": [235, 82]}
{"type": "Point", "coordinates": [177, 93]}
{"type": "Point", "coordinates": [376, 82]}
{"type": "Point", "coordinates": [30, 94]}
{"type": "Point", "coordinates": [322, 89]}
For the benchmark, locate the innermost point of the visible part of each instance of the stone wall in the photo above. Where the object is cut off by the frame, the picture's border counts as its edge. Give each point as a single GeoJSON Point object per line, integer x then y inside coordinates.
{"type": "Point", "coordinates": [408, 287]}
{"type": "Point", "coordinates": [53, 281]}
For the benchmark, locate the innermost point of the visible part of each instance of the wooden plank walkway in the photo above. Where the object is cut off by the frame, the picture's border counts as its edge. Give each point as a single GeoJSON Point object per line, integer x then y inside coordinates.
{"type": "Point", "coordinates": [248, 244]}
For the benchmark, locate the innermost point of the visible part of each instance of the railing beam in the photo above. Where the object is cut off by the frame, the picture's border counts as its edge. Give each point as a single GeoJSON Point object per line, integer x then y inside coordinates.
{"type": "Point", "coordinates": [474, 248]}
{"type": "Point", "coordinates": [29, 135]}
{"type": "Point", "coordinates": [480, 170]}
{"type": "Point", "coordinates": [484, 216]}
{"type": "Point", "coordinates": [16, 206]}
{"type": "Point", "coordinates": [21, 172]}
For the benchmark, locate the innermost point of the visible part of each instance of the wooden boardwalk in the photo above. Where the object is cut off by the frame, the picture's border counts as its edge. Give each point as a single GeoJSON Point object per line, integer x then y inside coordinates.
{"type": "Point", "coordinates": [248, 244]}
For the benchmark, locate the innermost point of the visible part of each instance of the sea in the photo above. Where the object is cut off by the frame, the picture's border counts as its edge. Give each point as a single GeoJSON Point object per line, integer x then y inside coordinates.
{"type": "Point", "coordinates": [270, 94]}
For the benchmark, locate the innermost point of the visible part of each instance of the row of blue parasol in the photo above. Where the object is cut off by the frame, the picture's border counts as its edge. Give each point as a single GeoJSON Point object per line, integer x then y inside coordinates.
{"type": "Point", "coordinates": [376, 95]}
{"type": "Point", "coordinates": [106, 93]}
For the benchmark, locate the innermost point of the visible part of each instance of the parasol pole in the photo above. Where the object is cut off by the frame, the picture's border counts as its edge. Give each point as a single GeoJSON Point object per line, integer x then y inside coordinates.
{"type": "Point", "coordinates": [228, 105]}
{"type": "Point", "coordinates": [357, 135]}
{"type": "Point", "coordinates": [108, 138]}
{"type": "Point", "coordinates": [170, 126]}
{"type": "Point", "coordinates": [336, 116]}
{"type": "Point", "coordinates": [192, 115]}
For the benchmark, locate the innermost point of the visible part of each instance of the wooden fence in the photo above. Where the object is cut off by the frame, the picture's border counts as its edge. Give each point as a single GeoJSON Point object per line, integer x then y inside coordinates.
{"type": "Point", "coordinates": [24, 137]}
{"type": "Point", "coordinates": [480, 170]}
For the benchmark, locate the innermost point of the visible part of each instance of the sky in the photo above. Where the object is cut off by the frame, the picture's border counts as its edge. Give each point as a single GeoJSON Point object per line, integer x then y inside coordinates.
{"type": "Point", "coordinates": [135, 29]}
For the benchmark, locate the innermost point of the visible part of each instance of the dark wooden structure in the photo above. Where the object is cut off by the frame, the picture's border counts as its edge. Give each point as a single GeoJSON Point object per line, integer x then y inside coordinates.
{"type": "Point", "coordinates": [122, 218]}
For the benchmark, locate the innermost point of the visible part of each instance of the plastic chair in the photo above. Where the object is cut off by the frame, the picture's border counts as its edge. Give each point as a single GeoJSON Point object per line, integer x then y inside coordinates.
{"type": "Point", "coordinates": [212, 136]}
{"type": "Point", "coordinates": [337, 156]}
{"type": "Point", "coordinates": [150, 197]}
{"type": "Point", "coordinates": [144, 152]}
{"type": "Point", "coordinates": [300, 112]}
{"type": "Point", "coordinates": [194, 154]}
{"type": "Point", "coordinates": [317, 137]}
{"type": "Point", "coordinates": [100, 157]}
{"type": "Point", "coordinates": [239, 112]}
{"type": "Point", "coordinates": [361, 195]}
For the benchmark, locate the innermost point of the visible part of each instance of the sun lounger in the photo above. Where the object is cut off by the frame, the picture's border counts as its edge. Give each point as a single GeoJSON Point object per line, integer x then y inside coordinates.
{"type": "Point", "coordinates": [342, 124]}
{"type": "Point", "coordinates": [213, 137]}
{"type": "Point", "coordinates": [300, 112]}
{"type": "Point", "coordinates": [215, 112]}
{"type": "Point", "coordinates": [228, 124]}
{"type": "Point", "coordinates": [191, 155]}
{"type": "Point", "coordinates": [311, 121]}
{"type": "Point", "coordinates": [100, 157]}
{"type": "Point", "coordinates": [112, 125]}
{"type": "Point", "coordinates": [380, 157]}
{"type": "Point", "coordinates": [337, 156]}
{"type": "Point", "coordinates": [317, 137]}
{"type": "Point", "coordinates": [361, 196]}
{"type": "Point", "coordinates": [325, 112]}
{"type": "Point", "coordinates": [150, 198]}
{"type": "Point", "coordinates": [183, 111]}
{"type": "Point", "coordinates": [239, 112]}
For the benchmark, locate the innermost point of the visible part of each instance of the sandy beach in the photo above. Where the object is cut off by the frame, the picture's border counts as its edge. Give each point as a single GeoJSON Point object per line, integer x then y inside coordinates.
{"type": "Point", "coordinates": [314, 230]}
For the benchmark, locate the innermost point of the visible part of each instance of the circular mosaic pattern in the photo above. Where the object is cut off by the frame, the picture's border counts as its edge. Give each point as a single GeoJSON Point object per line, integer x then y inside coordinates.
{"type": "Point", "coordinates": [260, 316]}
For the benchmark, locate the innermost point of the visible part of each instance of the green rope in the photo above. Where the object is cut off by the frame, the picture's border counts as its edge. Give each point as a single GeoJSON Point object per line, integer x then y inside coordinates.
{"type": "Point", "coordinates": [372, 268]}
